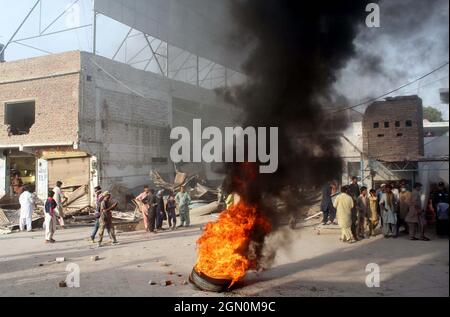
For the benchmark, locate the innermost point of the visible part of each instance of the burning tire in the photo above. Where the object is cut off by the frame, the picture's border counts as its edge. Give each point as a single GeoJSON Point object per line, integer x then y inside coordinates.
{"type": "Point", "coordinates": [208, 284]}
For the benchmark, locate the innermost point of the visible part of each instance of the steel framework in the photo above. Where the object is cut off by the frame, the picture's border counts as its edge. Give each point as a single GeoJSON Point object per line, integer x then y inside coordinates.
{"type": "Point", "coordinates": [153, 54]}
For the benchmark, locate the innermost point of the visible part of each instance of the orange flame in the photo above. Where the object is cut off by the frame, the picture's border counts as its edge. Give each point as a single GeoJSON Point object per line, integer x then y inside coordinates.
{"type": "Point", "coordinates": [223, 248]}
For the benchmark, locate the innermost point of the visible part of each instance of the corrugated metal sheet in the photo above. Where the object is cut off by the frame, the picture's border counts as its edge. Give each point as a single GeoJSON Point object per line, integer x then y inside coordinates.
{"type": "Point", "coordinates": [200, 27]}
{"type": "Point", "coordinates": [73, 172]}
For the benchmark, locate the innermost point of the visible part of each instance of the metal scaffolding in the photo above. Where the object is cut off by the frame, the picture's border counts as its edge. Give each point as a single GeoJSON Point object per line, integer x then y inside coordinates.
{"type": "Point", "coordinates": [148, 54]}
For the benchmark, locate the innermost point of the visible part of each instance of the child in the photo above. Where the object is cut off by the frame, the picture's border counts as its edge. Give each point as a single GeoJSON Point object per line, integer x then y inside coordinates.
{"type": "Point", "coordinates": [50, 218]}
{"type": "Point", "coordinates": [372, 216]}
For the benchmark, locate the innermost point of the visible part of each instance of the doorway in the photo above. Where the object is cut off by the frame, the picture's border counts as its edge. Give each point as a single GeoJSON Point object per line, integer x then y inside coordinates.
{"type": "Point", "coordinates": [22, 171]}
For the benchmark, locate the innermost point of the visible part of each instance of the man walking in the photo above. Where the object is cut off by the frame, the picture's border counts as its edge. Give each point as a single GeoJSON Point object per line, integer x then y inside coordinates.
{"type": "Point", "coordinates": [152, 204]}
{"type": "Point", "coordinates": [372, 217]}
{"type": "Point", "coordinates": [354, 192]}
{"type": "Point", "coordinates": [26, 209]}
{"type": "Point", "coordinates": [388, 205]}
{"type": "Point", "coordinates": [362, 205]}
{"type": "Point", "coordinates": [344, 205]}
{"type": "Point", "coordinates": [329, 213]}
{"type": "Point", "coordinates": [183, 200]}
{"type": "Point", "coordinates": [160, 210]}
{"type": "Point", "coordinates": [60, 199]}
{"type": "Point", "coordinates": [144, 206]}
{"type": "Point", "coordinates": [404, 203]}
{"type": "Point", "coordinates": [106, 219]}
{"type": "Point", "coordinates": [50, 218]}
{"type": "Point", "coordinates": [98, 196]}
{"type": "Point", "coordinates": [416, 216]}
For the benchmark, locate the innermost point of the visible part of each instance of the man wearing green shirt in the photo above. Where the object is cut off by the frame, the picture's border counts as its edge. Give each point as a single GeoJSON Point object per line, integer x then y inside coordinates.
{"type": "Point", "coordinates": [183, 200]}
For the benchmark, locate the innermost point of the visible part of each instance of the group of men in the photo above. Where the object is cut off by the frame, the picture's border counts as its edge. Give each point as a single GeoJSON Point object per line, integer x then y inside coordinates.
{"type": "Point", "coordinates": [53, 211]}
{"type": "Point", "coordinates": [155, 210]}
{"type": "Point", "coordinates": [359, 211]}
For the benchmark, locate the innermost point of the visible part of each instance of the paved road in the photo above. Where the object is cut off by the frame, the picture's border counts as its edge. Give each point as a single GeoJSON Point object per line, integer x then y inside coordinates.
{"type": "Point", "coordinates": [310, 265]}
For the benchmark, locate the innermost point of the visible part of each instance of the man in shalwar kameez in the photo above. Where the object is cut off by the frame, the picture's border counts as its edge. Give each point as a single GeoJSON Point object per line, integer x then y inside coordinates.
{"type": "Point", "coordinates": [388, 204]}
{"type": "Point", "coordinates": [344, 205]}
{"type": "Point", "coordinates": [416, 216]}
{"type": "Point", "coordinates": [26, 210]}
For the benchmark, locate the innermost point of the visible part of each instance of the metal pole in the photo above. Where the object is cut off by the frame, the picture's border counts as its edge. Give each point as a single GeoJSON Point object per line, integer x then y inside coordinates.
{"type": "Point", "coordinates": [362, 170]}
{"type": "Point", "coordinates": [168, 63]}
{"type": "Point", "coordinates": [198, 71]}
{"type": "Point", "coordinates": [40, 16]}
{"type": "Point", "coordinates": [94, 35]}
{"type": "Point", "coordinates": [154, 54]}
{"type": "Point", "coordinates": [20, 26]}
{"type": "Point", "coordinates": [64, 12]}
{"type": "Point", "coordinates": [121, 44]}
{"type": "Point", "coordinates": [52, 33]}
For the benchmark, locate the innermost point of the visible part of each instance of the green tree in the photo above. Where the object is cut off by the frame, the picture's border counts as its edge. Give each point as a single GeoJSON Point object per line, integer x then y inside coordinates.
{"type": "Point", "coordinates": [432, 114]}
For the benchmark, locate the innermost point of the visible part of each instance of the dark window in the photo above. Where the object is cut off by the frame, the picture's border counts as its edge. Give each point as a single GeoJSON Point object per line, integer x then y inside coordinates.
{"type": "Point", "coordinates": [353, 169]}
{"type": "Point", "coordinates": [386, 124]}
{"type": "Point", "coordinates": [409, 124]}
{"type": "Point", "coordinates": [399, 134]}
{"type": "Point", "coordinates": [381, 135]}
{"type": "Point", "coordinates": [398, 124]}
{"type": "Point", "coordinates": [20, 117]}
{"type": "Point", "coordinates": [376, 125]}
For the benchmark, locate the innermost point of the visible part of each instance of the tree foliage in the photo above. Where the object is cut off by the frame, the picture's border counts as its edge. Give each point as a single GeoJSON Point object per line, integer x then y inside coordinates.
{"type": "Point", "coordinates": [432, 114]}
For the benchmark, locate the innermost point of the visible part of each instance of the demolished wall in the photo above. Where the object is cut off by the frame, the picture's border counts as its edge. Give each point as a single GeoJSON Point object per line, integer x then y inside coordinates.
{"type": "Point", "coordinates": [53, 83]}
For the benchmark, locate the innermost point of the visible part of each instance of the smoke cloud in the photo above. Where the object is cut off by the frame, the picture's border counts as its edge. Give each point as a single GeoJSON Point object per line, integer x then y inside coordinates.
{"type": "Point", "coordinates": [298, 49]}
{"type": "Point", "coordinates": [413, 39]}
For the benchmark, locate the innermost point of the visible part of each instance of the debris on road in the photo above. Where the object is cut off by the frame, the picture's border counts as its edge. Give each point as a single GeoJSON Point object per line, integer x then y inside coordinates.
{"type": "Point", "coordinates": [166, 283]}
{"type": "Point", "coordinates": [63, 284]}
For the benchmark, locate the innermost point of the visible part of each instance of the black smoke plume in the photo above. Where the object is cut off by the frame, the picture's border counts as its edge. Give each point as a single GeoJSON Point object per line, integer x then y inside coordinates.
{"type": "Point", "coordinates": [298, 47]}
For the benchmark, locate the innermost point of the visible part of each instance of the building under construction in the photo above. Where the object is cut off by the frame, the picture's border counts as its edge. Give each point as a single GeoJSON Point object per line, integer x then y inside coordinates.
{"type": "Point", "coordinates": [104, 117]}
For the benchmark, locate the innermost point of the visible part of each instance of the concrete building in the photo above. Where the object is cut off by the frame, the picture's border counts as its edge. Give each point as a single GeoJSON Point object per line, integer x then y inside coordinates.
{"type": "Point", "coordinates": [88, 120]}
{"type": "Point", "coordinates": [434, 168]}
{"type": "Point", "coordinates": [394, 143]}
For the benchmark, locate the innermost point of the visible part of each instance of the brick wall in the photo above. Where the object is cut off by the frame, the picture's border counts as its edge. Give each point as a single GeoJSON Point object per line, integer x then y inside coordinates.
{"type": "Point", "coordinates": [394, 143]}
{"type": "Point", "coordinates": [53, 83]}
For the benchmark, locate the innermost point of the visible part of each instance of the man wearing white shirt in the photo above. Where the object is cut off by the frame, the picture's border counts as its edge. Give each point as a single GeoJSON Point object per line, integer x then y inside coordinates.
{"type": "Point", "coordinates": [26, 209]}
{"type": "Point", "coordinates": [59, 199]}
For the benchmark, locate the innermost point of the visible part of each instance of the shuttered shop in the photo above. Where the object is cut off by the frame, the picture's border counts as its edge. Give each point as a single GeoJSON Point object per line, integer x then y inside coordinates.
{"type": "Point", "coordinates": [73, 172]}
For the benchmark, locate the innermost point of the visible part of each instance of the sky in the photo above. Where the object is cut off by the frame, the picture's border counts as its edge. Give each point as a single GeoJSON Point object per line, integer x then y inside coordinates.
{"type": "Point", "coordinates": [413, 40]}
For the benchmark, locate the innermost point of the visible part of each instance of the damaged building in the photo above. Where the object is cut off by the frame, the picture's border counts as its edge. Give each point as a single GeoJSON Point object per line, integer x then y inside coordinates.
{"type": "Point", "coordinates": [87, 120]}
